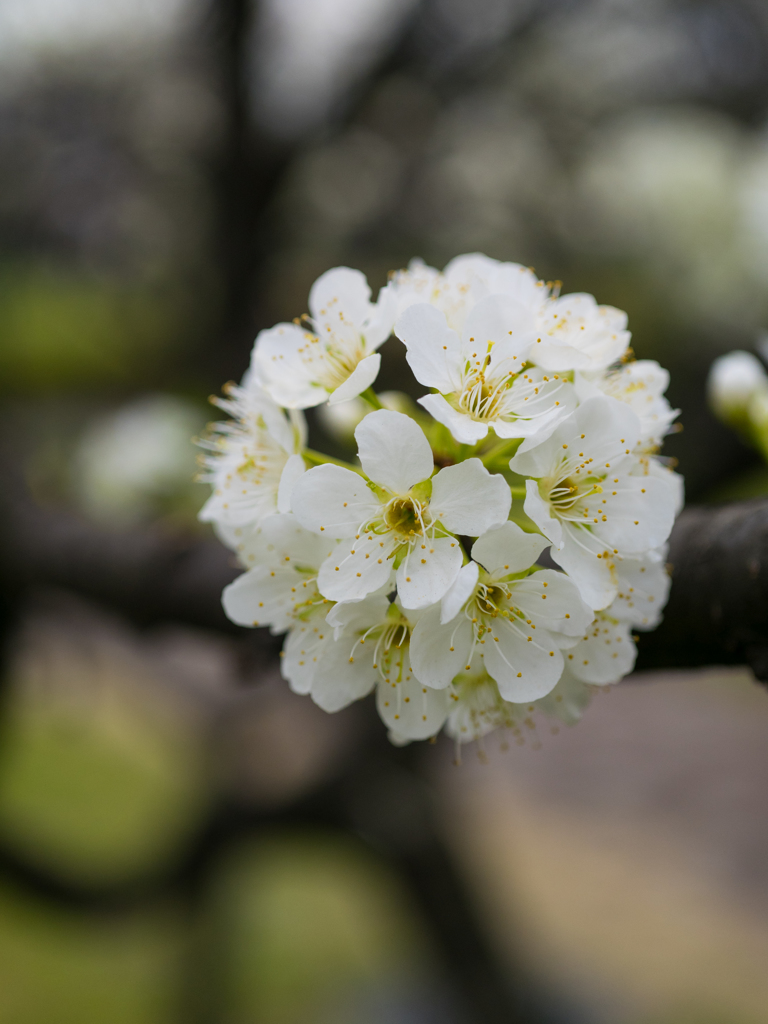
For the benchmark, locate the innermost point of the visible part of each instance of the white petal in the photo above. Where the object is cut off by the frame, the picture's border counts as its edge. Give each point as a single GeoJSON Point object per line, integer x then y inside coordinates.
{"type": "Point", "coordinates": [428, 571]}
{"type": "Point", "coordinates": [468, 499]}
{"type": "Point", "coordinates": [643, 591]}
{"type": "Point", "coordinates": [538, 511]}
{"type": "Point", "coordinates": [568, 700]}
{"type": "Point", "coordinates": [340, 291]}
{"type": "Point", "coordinates": [278, 363]}
{"type": "Point", "coordinates": [352, 572]}
{"type": "Point", "coordinates": [345, 674]}
{"type": "Point", "coordinates": [302, 652]}
{"type": "Point", "coordinates": [506, 549]}
{"type": "Point", "coordinates": [351, 615]}
{"type": "Point", "coordinates": [551, 600]}
{"type": "Point", "coordinates": [438, 651]}
{"type": "Point", "coordinates": [464, 429]}
{"type": "Point", "coordinates": [407, 707]}
{"type": "Point", "coordinates": [462, 589]}
{"type": "Point", "coordinates": [381, 319]}
{"type": "Point", "coordinates": [595, 577]}
{"type": "Point", "coordinates": [281, 541]}
{"type": "Point", "coordinates": [333, 501]}
{"type": "Point", "coordinates": [501, 321]}
{"type": "Point", "coordinates": [393, 450]}
{"type": "Point", "coordinates": [433, 349]}
{"type": "Point", "coordinates": [523, 669]}
{"type": "Point", "coordinates": [639, 512]}
{"type": "Point", "coordinates": [606, 654]}
{"type": "Point", "coordinates": [293, 471]}
{"type": "Point", "coordinates": [261, 597]}
{"type": "Point", "coordinates": [363, 375]}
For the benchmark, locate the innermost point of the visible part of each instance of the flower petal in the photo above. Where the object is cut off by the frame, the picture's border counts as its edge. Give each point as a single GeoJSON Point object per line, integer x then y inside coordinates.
{"type": "Point", "coordinates": [261, 597]}
{"type": "Point", "coordinates": [433, 349]}
{"type": "Point", "coordinates": [462, 589]}
{"type": "Point", "coordinates": [639, 511]}
{"type": "Point", "coordinates": [351, 573]}
{"type": "Point", "coordinates": [340, 294]}
{"type": "Point", "coordinates": [293, 470]}
{"type": "Point", "coordinates": [440, 651]}
{"type": "Point", "coordinates": [302, 652]}
{"type": "Point", "coordinates": [589, 564]}
{"type": "Point", "coordinates": [343, 675]}
{"type": "Point", "coordinates": [284, 374]}
{"type": "Point", "coordinates": [500, 325]}
{"type": "Point", "coordinates": [467, 499]}
{"type": "Point", "coordinates": [351, 615]}
{"type": "Point", "coordinates": [606, 654]}
{"type": "Point", "coordinates": [506, 549]}
{"type": "Point", "coordinates": [552, 601]}
{"type": "Point", "coordinates": [523, 669]}
{"type": "Point", "coordinates": [428, 571]}
{"type": "Point", "coordinates": [643, 591]}
{"type": "Point", "coordinates": [393, 450]}
{"type": "Point", "coordinates": [408, 708]}
{"type": "Point", "coordinates": [539, 512]}
{"type": "Point", "coordinates": [463, 428]}
{"type": "Point", "coordinates": [333, 501]}
{"type": "Point", "coordinates": [363, 375]}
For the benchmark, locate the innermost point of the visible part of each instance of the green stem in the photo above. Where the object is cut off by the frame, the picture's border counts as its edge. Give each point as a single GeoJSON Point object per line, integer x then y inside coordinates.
{"type": "Point", "coordinates": [320, 459]}
{"type": "Point", "coordinates": [370, 396]}
{"type": "Point", "coordinates": [502, 451]}
{"type": "Point", "coordinates": [518, 492]}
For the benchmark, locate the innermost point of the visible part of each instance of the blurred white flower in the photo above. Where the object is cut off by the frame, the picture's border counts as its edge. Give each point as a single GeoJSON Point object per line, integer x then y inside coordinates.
{"type": "Point", "coordinates": [130, 460]}
{"type": "Point", "coordinates": [339, 421]}
{"type": "Point", "coordinates": [734, 379]}
{"type": "Point", "coordinates": [254, 458]}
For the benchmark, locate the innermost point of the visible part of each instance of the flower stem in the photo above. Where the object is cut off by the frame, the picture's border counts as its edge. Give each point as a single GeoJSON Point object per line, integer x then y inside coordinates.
{"type": "Point", "coordinates": [320, 459]}
{"type": "Point", "coordinates": [501, 452]}
{"type": "Point", "coordinates": [370, 396]}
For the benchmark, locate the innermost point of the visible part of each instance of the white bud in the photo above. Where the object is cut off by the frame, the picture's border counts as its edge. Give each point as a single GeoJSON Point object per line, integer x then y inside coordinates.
{"type": "Point", "coordinates": [339, 421]}
{"type": "Point", "coordinates": [733, 380]}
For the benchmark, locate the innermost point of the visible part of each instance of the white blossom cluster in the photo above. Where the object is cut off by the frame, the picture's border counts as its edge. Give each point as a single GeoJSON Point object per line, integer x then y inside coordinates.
{"type": "Point", "coordinates": [414, 571]}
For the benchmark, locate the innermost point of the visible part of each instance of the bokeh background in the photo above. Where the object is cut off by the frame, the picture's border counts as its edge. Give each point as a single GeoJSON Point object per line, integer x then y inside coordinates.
{"type": "Point", "coordinates": [174, 174]}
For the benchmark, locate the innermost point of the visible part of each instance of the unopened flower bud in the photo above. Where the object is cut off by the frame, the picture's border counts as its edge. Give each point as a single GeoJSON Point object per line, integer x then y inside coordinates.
{"type": "Point", "coordinates": [733, 381]}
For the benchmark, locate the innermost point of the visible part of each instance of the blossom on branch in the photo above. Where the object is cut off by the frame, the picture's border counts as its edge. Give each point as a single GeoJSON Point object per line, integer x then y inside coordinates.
{"type": "Point", "coordinates": [423, 571]}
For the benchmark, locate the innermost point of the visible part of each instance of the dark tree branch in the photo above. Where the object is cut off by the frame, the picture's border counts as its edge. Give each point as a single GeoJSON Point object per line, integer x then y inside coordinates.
{"type": "Point", "coordinates": [718, 607]}
{"type": "Point", "coordinates": [717, 612]}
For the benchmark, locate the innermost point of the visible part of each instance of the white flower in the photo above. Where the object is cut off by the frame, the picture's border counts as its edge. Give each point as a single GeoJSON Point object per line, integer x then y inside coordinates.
{"type": "Point", "coordinates": [464, 282]}
{"type": "Point", "coordinates": [333, 357]}
{"type": "Point", "coordinates": [478, 708]}
{"type": "Point", "coordinates": [281, 588]}
{"type": "Point", "coordinates": [585, 498]}
{"type": "Point", "coordinates": [733, 380]}
{"type": "Point", "coordinates": [401, 517]}
{"type": "Point", "coordinates": [255, 458]}
{"type": "Point", "coordinates": [577, 334]}
{"type": "Point", "coordinates": [641, 384]}
{"type": "Point", "coordinates": [365, 645]}
{"type": "Point", "coordinates": [568, 700]}
{"type": "Point", "coordinates": [643, 589]}
{"type": "Point", "coordinates": [606, 653]}
{"type": "Point", "coordinates": [517, 625]}
{"type": "Point", "coordinates": [482, 377]}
